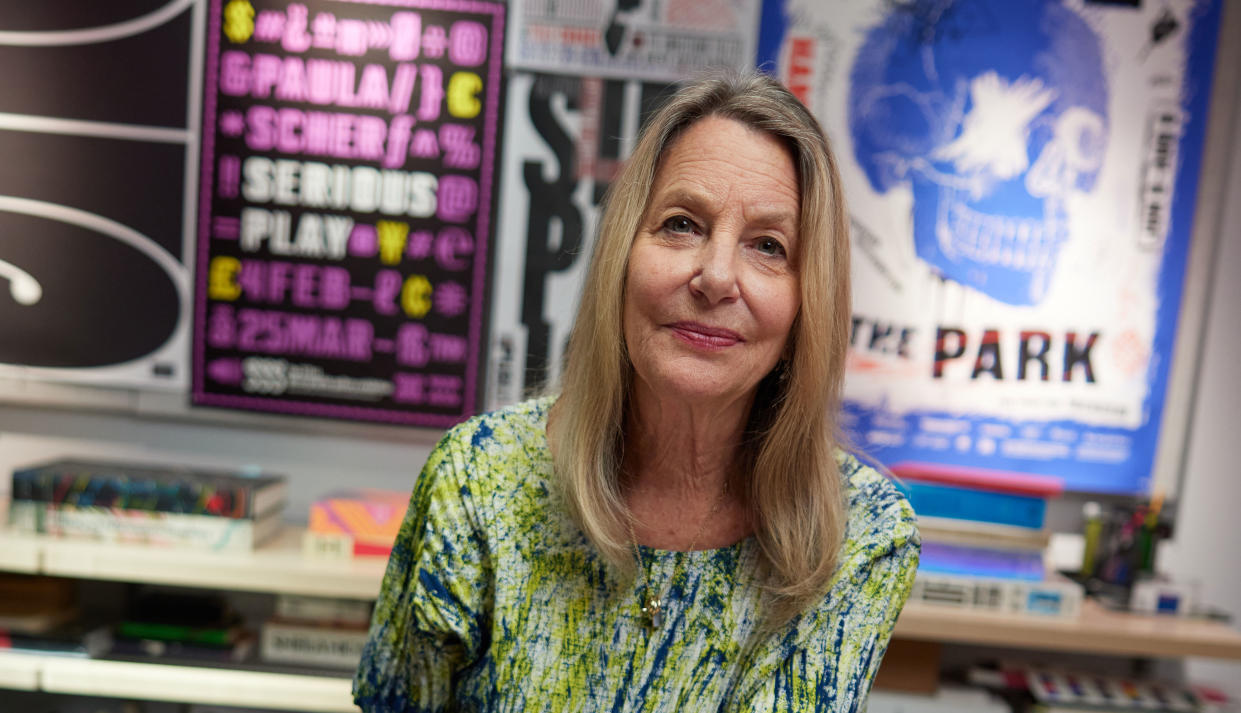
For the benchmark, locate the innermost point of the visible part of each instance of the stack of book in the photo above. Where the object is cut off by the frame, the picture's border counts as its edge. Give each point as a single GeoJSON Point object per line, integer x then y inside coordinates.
{"type": "Point", "coordinates": [149, 504]}
{"type": "Point", "coordinates": [40, 615]}
{"type": "Point", "coordinates": [196, 627]}
{"type": "Point", "coordinates": [354, 523]}
{"type": "Point", "coordinates": [984, 538]}
{"type": "Point", "coordinates": [316, 631]}
{"type": "Point", "coordinates": [1044, 690]}
{"type": "Point", "coordinates": [1068, 692]}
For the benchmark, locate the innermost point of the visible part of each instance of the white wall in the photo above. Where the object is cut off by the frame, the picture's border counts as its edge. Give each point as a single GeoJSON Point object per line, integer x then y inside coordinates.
{"type": "Point", "coordinates": [1207, 544]}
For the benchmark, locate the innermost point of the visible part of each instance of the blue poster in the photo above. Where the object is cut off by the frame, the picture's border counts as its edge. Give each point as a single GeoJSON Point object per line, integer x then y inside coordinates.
{"type": "Point", "coordinates": [1021, 176]}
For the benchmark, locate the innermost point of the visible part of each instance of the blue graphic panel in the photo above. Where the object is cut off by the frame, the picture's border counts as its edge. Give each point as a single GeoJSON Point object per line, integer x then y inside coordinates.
{"type": "Point", "coordinates": [1022, 176]}
{"type": "Point", "coordinates": [994, 114]}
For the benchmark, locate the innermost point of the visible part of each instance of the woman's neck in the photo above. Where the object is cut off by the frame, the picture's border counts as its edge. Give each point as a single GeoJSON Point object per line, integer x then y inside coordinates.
{"type": "Point", "coordinates": [682, 450]}
{"type": "Point", "coordinates": [681, 474]}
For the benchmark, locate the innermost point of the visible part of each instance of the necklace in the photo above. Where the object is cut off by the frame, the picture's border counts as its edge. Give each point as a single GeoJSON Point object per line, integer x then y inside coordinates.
{"type": "Point", "coordinates": [651, 605]}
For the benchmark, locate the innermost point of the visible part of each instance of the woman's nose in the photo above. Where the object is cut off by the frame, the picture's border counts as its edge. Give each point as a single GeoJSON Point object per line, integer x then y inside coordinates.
{"type": "Point", "coordinates": [715, 275]}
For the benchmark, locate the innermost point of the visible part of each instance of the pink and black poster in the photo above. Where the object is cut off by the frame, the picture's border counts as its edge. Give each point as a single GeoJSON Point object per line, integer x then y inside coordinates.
{"type": "Point", "coordinates": [345, 220]}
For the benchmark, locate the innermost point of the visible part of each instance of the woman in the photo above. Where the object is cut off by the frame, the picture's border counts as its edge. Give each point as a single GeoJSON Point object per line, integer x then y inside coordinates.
{"type": "Point", "coordinates": [676, 531]}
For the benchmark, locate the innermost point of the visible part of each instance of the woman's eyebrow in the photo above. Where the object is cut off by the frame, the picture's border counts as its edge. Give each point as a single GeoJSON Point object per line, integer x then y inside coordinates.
{"type": "Point", "coordinates": [783, 220]}
{"type": "Point", "coordinates": [683, 197]}
{"type": "Point", "coordinates": [780, 219]}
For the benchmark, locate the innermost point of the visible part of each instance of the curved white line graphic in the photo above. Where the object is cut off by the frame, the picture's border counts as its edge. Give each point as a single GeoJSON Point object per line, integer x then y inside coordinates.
{"type": "Point", "coordinates": [179, 273]}
{"type": "Point", "coordinates": [24, 289]}
{"type": "Point", "coordinates": [92, 35]}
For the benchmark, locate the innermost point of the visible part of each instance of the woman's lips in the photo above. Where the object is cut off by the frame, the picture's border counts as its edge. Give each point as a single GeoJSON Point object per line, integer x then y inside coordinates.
{"type": "Point", "coordinates": [701, 335]}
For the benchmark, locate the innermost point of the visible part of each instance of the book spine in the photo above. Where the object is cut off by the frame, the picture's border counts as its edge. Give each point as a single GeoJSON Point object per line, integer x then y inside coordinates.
{"type": "Point", "coordinates": [238, 652]}
{"type": "Point", "coordinates": [85, 644]}
{"type": "Point", "coordinates": [103, 490]}
{"type": "Point", "coordinates": [374, 519]}
{"type": "Point", "coordinates": [272, 496]}
{"type": "Point", "coordinates": [206, 532]}
{"type": "Point", "coordinates": [1064, 690]}
{"type": "Point", "coordinates": [283, 642]}
{"type": "Point", "coordinates": [84, 488]}
{"type": "Point", "coordinates": [973, 561]}
{"type": "Point", "coordinates": [985, 533]}
{"type": "Point", "coordinates": [180, 491]}
{"type": "Point", "coordinates": [947, 501]}
{"type": "Point", "coordinates": [328, 610]}
{"type": "Point", "coordinates": [219, 637]}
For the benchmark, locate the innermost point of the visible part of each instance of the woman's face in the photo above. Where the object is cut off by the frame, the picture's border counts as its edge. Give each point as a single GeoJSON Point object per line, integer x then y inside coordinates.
{"type": "Point", "coordinates": [712, 286]}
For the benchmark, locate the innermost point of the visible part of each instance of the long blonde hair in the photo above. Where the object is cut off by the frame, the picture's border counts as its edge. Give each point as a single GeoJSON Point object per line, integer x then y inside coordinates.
{"type": "Point", "coordinates": [795, 492]}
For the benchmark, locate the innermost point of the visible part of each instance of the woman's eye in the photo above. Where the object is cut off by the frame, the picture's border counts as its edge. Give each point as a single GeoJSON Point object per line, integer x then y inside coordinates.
{"type": "Point", "coordinates": [769, 246]}
{"type": "Point", "coordinates": [679, 224]}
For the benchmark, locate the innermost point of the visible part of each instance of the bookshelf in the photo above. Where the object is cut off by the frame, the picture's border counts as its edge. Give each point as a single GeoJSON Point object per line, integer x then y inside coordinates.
{"type": "Point", "coordinates": [20, 671]}
{"type": "Point", "coordinates": [183, 684]}
{"type": "Point", "coordinates": [1096, 631]}
{"type": "Point", "coordinates": [20, 553]}
{"type": "Point", "coordinates": [280, 568]}
{"type": "Point", "coordinates": [276, 568]}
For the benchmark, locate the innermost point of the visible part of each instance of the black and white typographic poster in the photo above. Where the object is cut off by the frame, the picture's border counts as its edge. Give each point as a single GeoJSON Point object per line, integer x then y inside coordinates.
{"type": "Point", "coordinates": [564, 140]}
{"type": "Point", "coordinates": [585, 76]}
{"type": "Point", "coordinates": [98, 134]}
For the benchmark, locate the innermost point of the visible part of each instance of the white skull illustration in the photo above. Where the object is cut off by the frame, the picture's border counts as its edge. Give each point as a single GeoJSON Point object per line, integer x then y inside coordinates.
{"type": "Point", "coordinates": [993, 112]}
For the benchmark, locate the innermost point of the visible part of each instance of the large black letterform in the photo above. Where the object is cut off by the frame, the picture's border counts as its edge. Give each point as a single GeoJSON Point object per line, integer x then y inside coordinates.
{"type": "Point", "coordinates": [549, 201]}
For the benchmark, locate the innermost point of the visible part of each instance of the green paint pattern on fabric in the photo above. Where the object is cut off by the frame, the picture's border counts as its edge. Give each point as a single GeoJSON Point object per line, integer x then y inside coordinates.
{"type": "Point", "coordinates": [493, 600]}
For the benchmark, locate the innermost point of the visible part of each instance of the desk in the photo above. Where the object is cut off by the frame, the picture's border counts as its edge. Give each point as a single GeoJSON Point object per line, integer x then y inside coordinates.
{"type": "Point", "coordinates": [1096, 631]}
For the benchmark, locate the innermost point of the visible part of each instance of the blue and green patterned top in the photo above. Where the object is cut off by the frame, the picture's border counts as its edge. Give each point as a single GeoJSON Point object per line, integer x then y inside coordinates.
{"type": "Point", "coordinates": [494, 601]}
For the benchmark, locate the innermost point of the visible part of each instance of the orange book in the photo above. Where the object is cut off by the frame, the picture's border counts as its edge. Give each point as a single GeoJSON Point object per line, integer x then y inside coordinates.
{"type": "Point", "coordinates": [358, 521]}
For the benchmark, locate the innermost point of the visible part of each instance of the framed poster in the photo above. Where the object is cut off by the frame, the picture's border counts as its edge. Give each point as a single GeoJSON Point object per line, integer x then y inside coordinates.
{"type": "Point", "coordinates": [345, 211]}
{"type": "Point", "coordinates": [653, 40]}
{"type": "Point", "coordinates": [98, 133]}
{"type": "Point", "coordinates": [1022, 178]}
{"type": "Point", "coordinates": [565, 138]}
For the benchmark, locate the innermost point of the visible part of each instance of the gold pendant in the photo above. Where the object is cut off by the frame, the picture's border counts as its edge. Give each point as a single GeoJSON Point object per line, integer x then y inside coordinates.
{"type": "Point", "coordinates": [653, 610]}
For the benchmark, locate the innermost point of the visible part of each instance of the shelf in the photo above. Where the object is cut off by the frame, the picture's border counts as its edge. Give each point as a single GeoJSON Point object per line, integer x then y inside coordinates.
{"type": "Point", "coordinates": [182, 684]}
{"type": "Point", "coordinates": [1095, 631]}
{"type": "Point", "coordinates": [277, 567]}
{"type": "Point", "coordinates": [20, 553]}
{"type": "Point", "coordinates": [20, 671]}
{"type": "Point", "coordinates": [280, 568]}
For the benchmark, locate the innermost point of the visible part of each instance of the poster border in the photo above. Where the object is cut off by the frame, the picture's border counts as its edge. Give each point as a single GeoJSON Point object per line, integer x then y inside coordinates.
{"type": "Point", "coordinates": [473, 376]}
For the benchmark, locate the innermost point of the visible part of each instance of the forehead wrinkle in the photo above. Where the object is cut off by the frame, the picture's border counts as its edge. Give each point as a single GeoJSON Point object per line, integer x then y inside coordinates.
{"type": "Point", "coordinates": [719, 164]}
{"type": "Point", "coordinates": [677, 159]}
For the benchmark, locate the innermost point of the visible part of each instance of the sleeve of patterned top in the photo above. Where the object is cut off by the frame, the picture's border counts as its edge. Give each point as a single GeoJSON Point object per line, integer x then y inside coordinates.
{"type": "Point", "coordinates": [428, 620]}
{"type": "Point", "coordinates": [828, 658]}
